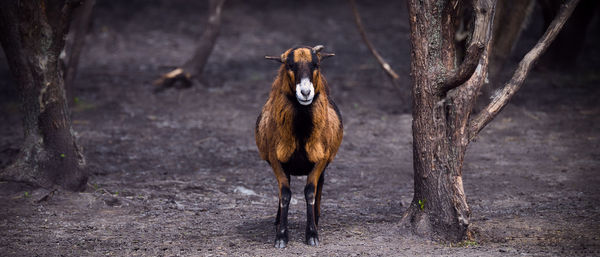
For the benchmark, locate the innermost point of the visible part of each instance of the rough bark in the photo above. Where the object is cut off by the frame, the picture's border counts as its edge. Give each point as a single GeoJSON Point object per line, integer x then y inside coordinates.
{"type": "Point", "coordinates": [444, 93]}
{"type": "Point", "coordinates": [439, 208]}
{"type": "Point", "coordinates": [75, 41]}
{"type": "Point", "coordinates": [32, 36]}
{"type": "Point", "coordinates": [195, 66]}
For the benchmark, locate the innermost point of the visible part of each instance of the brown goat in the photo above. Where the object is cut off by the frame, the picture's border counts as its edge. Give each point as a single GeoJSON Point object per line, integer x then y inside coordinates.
{"type": "Point", "coordinates": [298, 133]}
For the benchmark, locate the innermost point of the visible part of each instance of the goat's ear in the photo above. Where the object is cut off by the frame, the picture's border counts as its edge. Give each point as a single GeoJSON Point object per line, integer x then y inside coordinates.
{"type": "Point", "coordinates": [317, 50]}
{"type": "Point", "coordinates": [275, 58]}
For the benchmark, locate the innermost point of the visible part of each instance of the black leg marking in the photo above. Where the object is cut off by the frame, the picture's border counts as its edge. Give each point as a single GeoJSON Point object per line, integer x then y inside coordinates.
{"type": "Point", "coordinates": [312, 238]}
{"type": "Point", "coordinates": [281, 238]}
{"type": "Point", "coordinates": [318, 200]}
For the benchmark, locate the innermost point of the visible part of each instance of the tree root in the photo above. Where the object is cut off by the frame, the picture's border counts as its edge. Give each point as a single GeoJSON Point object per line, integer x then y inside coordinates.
{"type": "Point", "coordinates": [13, 174]}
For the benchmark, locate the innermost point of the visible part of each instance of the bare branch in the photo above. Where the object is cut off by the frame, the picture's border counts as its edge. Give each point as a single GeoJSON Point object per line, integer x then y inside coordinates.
{"type": "Point", "coordinates": [195, 66]}
{"type": "Point", "coordinates": [481, 35]}
{"type": "Point", "coordinates": [388, 69]}
{"type": "Point", "coordinates": [466, 69]}
{"type": "Point", "coordinates": [501, 98]}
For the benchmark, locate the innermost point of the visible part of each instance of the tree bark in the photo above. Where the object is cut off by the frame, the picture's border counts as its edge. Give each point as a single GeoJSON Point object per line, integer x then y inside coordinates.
{"type": "Point", "coordinates": [444, 93]}
{"type": "Point", "coordinates": [32, 36]}
{"type": "Point", "coordinates": [439, 209]}
{"type": "Point", "coordinates": [195, 66]}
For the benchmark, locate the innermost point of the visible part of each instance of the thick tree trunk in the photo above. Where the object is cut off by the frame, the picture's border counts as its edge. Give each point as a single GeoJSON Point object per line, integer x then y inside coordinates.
{"type": "Point", "coordinates": [195, 66]}
{"type": "Point", "coordinates": [32, 35]}
{"type": "Point", "coordinates": [443, 97]}
{"type": "Point", "coordinates": [439, 208]}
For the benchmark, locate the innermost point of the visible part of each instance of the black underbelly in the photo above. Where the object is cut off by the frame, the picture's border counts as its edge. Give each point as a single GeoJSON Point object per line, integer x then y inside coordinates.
{"type": "Point", "coordinates": [298, 164]}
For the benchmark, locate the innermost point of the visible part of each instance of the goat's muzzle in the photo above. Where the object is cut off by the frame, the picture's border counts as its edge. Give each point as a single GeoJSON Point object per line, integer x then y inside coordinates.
{"type": "Point", "coordinates": [305, 91]}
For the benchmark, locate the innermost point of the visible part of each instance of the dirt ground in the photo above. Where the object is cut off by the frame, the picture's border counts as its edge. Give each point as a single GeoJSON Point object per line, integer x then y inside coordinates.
{"type": "Point", "coordinates": [178, 174]}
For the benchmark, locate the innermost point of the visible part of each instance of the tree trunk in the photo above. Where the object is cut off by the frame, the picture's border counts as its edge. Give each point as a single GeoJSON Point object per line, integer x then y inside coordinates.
{"type": "Point", "coordinates": [439, 208]}
{"type": "Point", "coordinates": [32, 36]}
{"type": "Point", "coordinates": [444, 94]}
{"type": "Point", "coordinates": [194, 66]}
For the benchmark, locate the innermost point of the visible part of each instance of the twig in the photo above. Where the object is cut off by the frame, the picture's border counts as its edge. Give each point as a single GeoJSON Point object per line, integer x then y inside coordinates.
{"type": "Point", "coordinates": [508, 91]}
{"type": "Point", "coordinates": [386, 67]}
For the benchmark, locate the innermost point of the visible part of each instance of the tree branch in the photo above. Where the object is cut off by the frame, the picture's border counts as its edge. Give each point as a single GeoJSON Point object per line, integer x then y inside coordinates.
{"type": "Point", "coordinates": [386, 67]}
{"type": "Point", "coordinates": [481, 35]}
{"type": "Point", "coordinates": [466, 69]}
{"type": "Point", "coordinates": [195, 66]}
{"type": "Point", "coordinates": [502, 97]}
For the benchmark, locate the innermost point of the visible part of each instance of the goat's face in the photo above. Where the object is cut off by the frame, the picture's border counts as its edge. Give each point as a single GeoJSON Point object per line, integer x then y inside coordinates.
{"type": "Point", "coordinates": [301, 66]}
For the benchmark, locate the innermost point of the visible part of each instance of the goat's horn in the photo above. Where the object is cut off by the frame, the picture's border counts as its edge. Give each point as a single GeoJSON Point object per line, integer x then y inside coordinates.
{"type": "Point", "coordinates": [275, 58]}
{"type": "Point", "coordinates": [326, 55]}
{"type": "Point", "coordinates": [317, 48]}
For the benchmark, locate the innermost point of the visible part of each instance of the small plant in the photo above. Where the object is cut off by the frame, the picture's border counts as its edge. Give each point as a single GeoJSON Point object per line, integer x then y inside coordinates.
{"type": "Point", "coordinates": [422, 204]}
{"type": "Point", "coordinates": [62, 155]}
{"type": "Point", "coordinates": [27, 195]}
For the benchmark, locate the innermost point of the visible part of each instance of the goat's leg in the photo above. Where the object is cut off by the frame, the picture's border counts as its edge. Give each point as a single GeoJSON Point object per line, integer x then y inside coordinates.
{"type": "Point", "coordinates": [310, 192]}
{"type": "Point", "coordinates": [318, 200]}
{"type": "Point", "coordinates": [285, 195]}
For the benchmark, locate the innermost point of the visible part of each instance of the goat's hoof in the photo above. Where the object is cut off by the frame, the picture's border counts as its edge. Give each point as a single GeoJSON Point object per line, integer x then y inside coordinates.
{"type": "Point", "coordinates": [281, 241]}
{"type": "Point", "coordinates": [312, 240]}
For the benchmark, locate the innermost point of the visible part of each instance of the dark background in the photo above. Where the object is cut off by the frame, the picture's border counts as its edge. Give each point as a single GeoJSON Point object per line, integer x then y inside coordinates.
{"type": "Point", "coordinates": [178, 173]}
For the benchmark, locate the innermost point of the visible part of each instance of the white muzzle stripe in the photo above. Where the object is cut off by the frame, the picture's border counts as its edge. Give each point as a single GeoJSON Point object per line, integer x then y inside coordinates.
{"type": "Point", "coordinates": [305, 91]}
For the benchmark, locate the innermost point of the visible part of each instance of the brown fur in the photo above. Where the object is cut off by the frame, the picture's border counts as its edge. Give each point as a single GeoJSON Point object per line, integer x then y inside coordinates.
{"type": "Point", "coordinates": [277, 142]}
{"type": "Point", "coordinates": [274, 136]}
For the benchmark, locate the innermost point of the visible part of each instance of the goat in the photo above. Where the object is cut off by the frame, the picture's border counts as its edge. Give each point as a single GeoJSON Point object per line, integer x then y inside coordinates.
{"type": "Point", "coordinates": [298, 133]}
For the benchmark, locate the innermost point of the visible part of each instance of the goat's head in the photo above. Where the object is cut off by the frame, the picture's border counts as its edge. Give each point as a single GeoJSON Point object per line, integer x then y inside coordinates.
{"type": "Point", "coordinates": [301, 70]}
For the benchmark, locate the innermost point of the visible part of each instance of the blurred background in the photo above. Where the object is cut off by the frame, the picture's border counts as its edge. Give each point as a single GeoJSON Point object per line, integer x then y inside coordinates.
{"type": "Point", "coordinates": [176, 172]}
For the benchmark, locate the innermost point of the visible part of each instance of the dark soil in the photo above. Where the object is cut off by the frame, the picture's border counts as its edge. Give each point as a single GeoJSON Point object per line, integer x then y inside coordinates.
{"type": "Point", "coordinates": [178, 173]}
